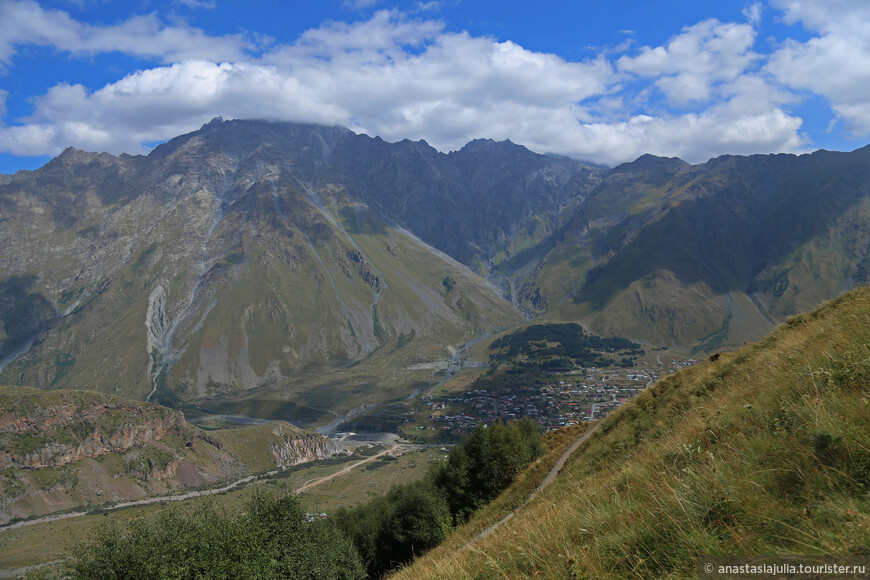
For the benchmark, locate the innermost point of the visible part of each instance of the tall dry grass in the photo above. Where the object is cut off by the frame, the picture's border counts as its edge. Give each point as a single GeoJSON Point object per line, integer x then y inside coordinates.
{"type": "Point", "coordinates": [764, 451]}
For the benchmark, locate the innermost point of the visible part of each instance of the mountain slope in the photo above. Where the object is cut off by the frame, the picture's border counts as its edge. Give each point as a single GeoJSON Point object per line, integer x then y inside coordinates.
{"type": "Point", "coordinates": [709, 254]}
{"type": "Point", "coordinates": [65, 449]}
{"type": "Point", "coordinates": [764, 451]}
{"type": "Point", "coordinates": [229, 263]}
{"type": "Point", "coordinates": [487, 205]}
{"type": "Point", "coordinates": [306, 272]}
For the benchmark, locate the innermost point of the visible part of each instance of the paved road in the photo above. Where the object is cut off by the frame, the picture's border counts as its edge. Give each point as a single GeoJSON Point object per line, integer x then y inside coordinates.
{"type": "Point", "coordinates": [305, 487]}
{"type": "Point", "coordinates": [135, 503]}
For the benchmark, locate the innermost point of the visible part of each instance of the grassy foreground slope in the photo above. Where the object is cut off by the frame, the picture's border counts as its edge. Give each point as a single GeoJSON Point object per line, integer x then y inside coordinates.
{"type": "Point", "coordinates": [763, 451]}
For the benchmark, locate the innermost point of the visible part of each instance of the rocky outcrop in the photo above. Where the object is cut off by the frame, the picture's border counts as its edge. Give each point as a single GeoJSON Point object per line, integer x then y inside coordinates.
{"type": "Point", "coordinates": [148, 465]}
{"type": "Point", "coordinates": [294, 448]}
{"type": "Point", "coordinates": [57, 453]}
{"type": "Point", "coordinates": [63, 449]}
{"type": "Point", "coordinates": [365, 270]}
{"type": "Point", "coordinates": [77, 427]}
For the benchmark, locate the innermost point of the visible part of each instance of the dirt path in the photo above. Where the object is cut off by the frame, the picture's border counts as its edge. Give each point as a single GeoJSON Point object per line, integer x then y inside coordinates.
{"type": "Point", "coordinates": [343, 471]}
{"type": "Point", "coordinates": [550, 478]}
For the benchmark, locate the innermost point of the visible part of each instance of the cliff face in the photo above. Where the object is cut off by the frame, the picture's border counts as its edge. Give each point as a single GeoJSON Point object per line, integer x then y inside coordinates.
{"type": "Point", "coordinates": [72, 426]}
{"type": "Point", "coordinates": [94, 444]}
{"type": "Point", "coordinates": [293, 448]}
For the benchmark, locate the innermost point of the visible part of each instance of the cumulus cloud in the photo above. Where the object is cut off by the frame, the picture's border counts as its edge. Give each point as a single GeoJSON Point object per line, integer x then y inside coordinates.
{"type": "Point", "coordinates": [27, 23]}
{"type": "Point", "coordinates": [824, 15]}
{"type": "Point", "coordinates": [382, 38]}
{"type": "Point", "coordinates": [397, 76]}
{"type": "Point", "coordinates": [747, 122]}
{"type": "Point", "coordinates": [691, 62]}
{"type": "Point", "coordinates": [835, 64]}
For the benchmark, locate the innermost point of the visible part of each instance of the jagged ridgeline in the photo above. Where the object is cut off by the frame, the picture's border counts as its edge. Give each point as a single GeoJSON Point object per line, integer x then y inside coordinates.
{"type": "Point", "coordinates": [708, 255]}
{"type": "Point", "coordinates": [562, 346]}
{"type": "Point", "coordinates": [296, 271]}
{"type": "Point", "coordinates": [67, 449]}
{"type": "Point", "coordinates": [269, 269]}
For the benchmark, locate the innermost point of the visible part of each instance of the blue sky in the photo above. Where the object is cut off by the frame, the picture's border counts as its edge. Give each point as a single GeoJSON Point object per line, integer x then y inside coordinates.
{"type": "Point", "coordinates": [598, 81]}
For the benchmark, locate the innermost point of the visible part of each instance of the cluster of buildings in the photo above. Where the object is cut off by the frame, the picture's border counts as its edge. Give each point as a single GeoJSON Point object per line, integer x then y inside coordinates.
{"type": "Point", "coordinates": [681, 364]}
{"type": "Point", "coordinates": [553, 404]}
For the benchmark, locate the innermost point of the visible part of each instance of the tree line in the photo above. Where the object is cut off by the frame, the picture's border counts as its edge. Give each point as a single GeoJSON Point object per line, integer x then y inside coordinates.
{"type": "Point", "coordinates": [561, 345]}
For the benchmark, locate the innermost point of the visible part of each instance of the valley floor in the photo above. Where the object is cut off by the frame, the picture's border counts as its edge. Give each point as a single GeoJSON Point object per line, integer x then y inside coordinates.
{"type": "Point", "coordinates": [323, 486]}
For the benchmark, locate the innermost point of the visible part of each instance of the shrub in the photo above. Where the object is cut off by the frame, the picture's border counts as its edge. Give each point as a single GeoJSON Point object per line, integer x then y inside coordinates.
{"type": "Point", "coordinates": [271, 538]}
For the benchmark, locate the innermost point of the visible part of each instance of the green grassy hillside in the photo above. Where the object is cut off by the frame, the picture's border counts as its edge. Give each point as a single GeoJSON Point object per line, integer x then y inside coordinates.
{"type": "Point", "coordinates": [762, 451]}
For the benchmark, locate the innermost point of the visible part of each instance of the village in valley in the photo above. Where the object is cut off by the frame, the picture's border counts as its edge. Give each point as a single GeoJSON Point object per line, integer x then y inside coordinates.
{"type": "Point", "coordinates": [555, 398]}
{"type": "Point", "coordinates": [558, 374]}
{"type": "Point", "coordinates": [553, 404]}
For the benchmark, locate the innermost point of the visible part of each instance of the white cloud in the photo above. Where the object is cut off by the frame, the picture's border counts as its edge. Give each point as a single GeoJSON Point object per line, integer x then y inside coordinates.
{"type": "Point", "coordinates": [398, 77]}
{"type": "Point", "coordinates": [378, 40]}
{"type": "Point", "coordinates": [27, 23]}
{"type": "Point", "coordinates": [459, 86]}
{"type": "Point", "coordinates": [431, 6]}
{"type": "Point", "coordinates": [753, 14]}
{"type": "Point", "coordinates": [690, 64]}
{"type": "Point", "coordinates": [30, 139]}
{"type": "Point", "coordinates": [835, 64]}
{"type": "Point", "coordinates": [728, 127]}
{"type": "Point", "coordinates": [824, 15]}
{"type": "Point", "coordinates": [155, 104]}
{"type": "Point", "coordinates": [195, 4]}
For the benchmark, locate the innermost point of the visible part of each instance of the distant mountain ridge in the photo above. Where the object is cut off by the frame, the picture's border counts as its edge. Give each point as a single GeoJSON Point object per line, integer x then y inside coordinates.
{"type": "Point", "coordinates": [710, 254]}
{"type": "Point", "coordinates": [296, 271]}
{"type": "Point", "coordinates": [481, 204]}
{"type": "Point", "coordinates": [231, 260]}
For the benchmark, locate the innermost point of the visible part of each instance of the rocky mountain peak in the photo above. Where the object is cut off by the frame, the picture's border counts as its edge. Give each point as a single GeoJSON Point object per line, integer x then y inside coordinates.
{"type": "Point", "coordinates": [478, 146]}
{"type": "Point", "coordinates": [239, 139]}
{"type": "Point", "coordinates": [648, 163]}
{"type": "Point", "coordinates": [72, 157]}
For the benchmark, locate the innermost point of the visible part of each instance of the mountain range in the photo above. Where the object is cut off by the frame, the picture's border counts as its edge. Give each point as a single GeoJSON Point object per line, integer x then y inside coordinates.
{"type": "Point", "coordinates": [307, 272]}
